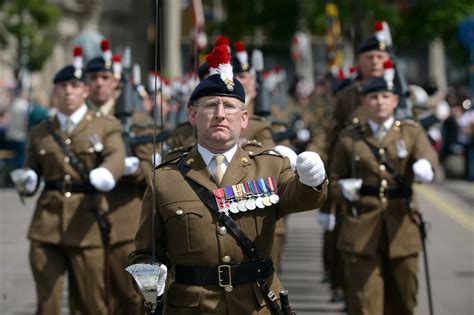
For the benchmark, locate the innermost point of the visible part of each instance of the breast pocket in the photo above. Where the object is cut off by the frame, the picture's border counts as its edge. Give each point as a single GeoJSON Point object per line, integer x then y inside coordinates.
{"type": "Point", "coordinates": [186, 227]}
{"type": "Point", "coordinates": [86, 154]}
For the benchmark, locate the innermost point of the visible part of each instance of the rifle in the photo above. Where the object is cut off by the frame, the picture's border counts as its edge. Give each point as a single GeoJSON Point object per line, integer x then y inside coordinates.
{"type": "Point", "coordinates": [422, 227]}
{"type": "Point", "coordinates": [263, 106]}
{"type": "Point", "coordinates": [285, 303]}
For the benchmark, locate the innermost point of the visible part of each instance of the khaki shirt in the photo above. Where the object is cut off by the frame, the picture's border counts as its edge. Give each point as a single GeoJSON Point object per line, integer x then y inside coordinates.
{"type": "Point", "coordinates": [70, 221]}
{"type": "Point", "coordinates": [378, 220]}
{"type": "Point", "coordinates": [187, 232]}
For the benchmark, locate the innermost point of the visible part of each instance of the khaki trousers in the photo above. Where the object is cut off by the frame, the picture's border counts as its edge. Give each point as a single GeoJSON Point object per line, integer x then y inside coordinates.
{"type": "Point", "coordinates": [85, 269]}
{"type": "Point", "coordinates": [123, 297]}
{"type": "Point", "coordinates": [379, 285]}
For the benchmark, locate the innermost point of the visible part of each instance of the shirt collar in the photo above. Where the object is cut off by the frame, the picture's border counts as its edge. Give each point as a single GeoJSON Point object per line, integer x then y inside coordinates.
{"type": "Point", "coordinates": [387, 124]}
{"type": "Point", "coordinates": [207, 155]}
{"type": "Point", "coordinates": [106, 109]}
{"type": "Point", "coordinates": [76, 117]}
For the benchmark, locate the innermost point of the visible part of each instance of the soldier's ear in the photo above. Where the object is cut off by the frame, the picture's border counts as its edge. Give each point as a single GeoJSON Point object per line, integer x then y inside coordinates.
{"type": "Point", "coordinates": [191, 110]}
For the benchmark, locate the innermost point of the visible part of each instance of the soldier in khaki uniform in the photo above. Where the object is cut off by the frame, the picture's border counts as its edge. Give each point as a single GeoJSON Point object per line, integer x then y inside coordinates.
{"type": "Point", "coordinates": [64, 232]}
{"type": "Point", "coordinates": [374, 167]}
{"type": "Point", "coordinates": [371, 55]}
{"type": "Point", "coordinates": [189, 236]}
{"type": "Point", "coordinates": [125, 199]}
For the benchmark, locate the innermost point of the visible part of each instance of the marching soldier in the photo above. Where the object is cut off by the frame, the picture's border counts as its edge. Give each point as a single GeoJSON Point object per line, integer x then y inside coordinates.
{"type": "Point", "coordinates": [125, 199]}
{"type": "Point", "coordinates": [371, 55]}
{"type": "Point", "coordinates": [79, 156]}
{"type": "Point", "coordinates": [212, 196]}
{"type": "Point", "coordinates": [374, 167]}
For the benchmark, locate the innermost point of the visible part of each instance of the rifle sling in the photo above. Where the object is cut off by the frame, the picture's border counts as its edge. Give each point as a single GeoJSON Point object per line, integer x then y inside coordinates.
{"type": "Point", "coordinates": [244, 241]}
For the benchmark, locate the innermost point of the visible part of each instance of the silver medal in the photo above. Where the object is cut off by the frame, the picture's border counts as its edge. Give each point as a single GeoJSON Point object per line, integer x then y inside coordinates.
{"type": "Point", "coordinates": [251, 204]}
{"type": "Point", "coordinates": [274, 199]}
{"type": "Point", "coordinates": [266, 201]}
{"type": "Point", "coordinates": [234, 207]}
{"type": "Point", "coordinates": [402, 151]}
{"type": "Point", "coordinates": [242, 205]}
{"type": "Point", "coordinates": [259, 203]}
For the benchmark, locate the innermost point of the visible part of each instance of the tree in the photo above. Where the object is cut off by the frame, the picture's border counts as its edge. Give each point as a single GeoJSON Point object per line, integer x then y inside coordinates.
{"type": "Point", "coordinates": [31, 24]}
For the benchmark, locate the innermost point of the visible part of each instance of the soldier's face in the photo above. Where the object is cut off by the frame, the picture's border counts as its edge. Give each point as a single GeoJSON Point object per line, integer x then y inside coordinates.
{"type": "Point", "coordinates": [70, 95]}
{"type": "Point", "coordinates": [248, 82]}
{"type": "Point", "coordinates": [102, 85]}
{"type": "Point", "coordinates": [371, 63]}
{"type": "Point", "coordinates": [380, 105]}
{"type": "Point", "coordinates": [219, 121]}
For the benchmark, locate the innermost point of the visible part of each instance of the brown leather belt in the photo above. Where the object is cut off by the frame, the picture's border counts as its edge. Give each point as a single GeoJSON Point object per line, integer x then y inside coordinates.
{"type": "Point", "coordinates": [225, 275]}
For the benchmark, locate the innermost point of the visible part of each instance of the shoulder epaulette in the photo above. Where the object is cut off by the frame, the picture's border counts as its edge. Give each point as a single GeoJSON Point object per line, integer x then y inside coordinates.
{"type": "Point", "coordinates": [408, 122]}
{"type": "Point", "coordinates": [173, 160]}
{"type": "Point", "coordinates": [176, 153]}
{"type": "Point", "coordinates": [265, 151]}
{"type": "Point", "coordinates": [258, 118]}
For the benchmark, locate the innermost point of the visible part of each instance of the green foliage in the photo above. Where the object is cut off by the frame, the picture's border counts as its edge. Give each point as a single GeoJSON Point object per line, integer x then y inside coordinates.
{"type": "Point", "coordinates": [414, 21]}
{"type": "Point", "coordinates": [32, 24]}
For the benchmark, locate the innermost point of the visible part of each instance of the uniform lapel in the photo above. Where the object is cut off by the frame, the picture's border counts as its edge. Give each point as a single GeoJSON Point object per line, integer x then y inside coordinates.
{"type": "Point", "coordinates": [392, 134]}
{"type": "Point", "coordinates": [57, 128]}
{"type": "Point", "coordinates": [237, 169]}
{"type": "Point", "coordinates": [370, 137]}
{"type": "Point", "coordinates": [83, 123]}
{"type": "Point", "coordinates": [198, 171]}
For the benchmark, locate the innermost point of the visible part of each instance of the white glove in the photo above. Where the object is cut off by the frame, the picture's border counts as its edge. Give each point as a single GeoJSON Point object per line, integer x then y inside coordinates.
{"type": "Point", "coordinates": [350, 188]}
{"type": "Point", "coordinates": [131, 165]}
{"type": "Point", "coordinates": [156, 159]}
{"type": "Point", "coordinates": [303, 135]}
{"type": "Point", "coordinates": [310, 168]}
{"type": "Point", "coordinates": [287, 152]}
{"type": "Point", "coordinates": [423, 171]}
{"type": "Point", "coordinates": [102, 179]}
{"type": "Point", "coordinates": [25, 180]}
{"type": "Point", "coordinates": [327, 221]}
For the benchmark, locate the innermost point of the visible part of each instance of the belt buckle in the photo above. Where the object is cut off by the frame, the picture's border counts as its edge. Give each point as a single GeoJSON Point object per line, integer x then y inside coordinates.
{"type": "Point", "coordinates": [225, 268]}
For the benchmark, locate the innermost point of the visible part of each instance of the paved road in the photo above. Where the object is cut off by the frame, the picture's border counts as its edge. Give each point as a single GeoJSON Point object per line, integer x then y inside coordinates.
{"type": "Point", "coordinates": [447, 206]}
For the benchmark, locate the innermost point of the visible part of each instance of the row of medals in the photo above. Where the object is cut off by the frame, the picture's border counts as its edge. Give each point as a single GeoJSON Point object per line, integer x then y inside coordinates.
{"type": "Point", "coordinates": [249, 202]}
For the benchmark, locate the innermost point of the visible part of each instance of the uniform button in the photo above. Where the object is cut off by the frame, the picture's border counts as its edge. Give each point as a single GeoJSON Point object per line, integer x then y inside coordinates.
{"type": "Point", "coordinates": [42, 152]}
{"type": "Point", "coordinates": [382, 168]}
{"type": "Point", "coordinates": [68, 141]}
{"type": "Point", "coordinates": [384, 183]}
{"type": "Point", "coordinates": [228, 288]}
{"type": "Point", "coordinates": [383, 199]}
{"type": "Point", "coordinates": [67, 194]}
{"type": "Point", "coordinates": [179, 212]}
{"type": "Point", "coordinates": [91, 150]}
{"type": "Point", "coordinates": [226, 259]}
{"type": "Point", "coordinates": [356, 158]}
{"type": "Point", "coordinates": [67, 177]}
{"type": "Point", "coordinates": [381, 151]}
{"type": "Point", "coordinates": [398, 123]}
{"type": "Point", "coordinates": [66, 159]}
{"type": "Point", "coordinates": [381, 195]}
{"type": "Point", "coordinates": [222, 230]}
{"type": "Point", "coordinates": [355, 120]}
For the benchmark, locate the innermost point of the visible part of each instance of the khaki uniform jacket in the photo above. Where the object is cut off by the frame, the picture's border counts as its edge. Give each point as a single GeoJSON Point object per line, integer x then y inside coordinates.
{"type": "Point", "coordinates": [190, 236]}
{"type": "Point", "coordinates": [125, 199]}
{"type": "Point", "coordinates": [70, 221]}
{"type": "Point", "coordinates": [362, 234]}
{"type": "Point", "coordinates": [347, 110]}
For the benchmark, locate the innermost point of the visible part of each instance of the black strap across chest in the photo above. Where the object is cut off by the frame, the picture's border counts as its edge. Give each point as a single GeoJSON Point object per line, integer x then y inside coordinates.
{"type": "Point", "coordinates": [73, 159]}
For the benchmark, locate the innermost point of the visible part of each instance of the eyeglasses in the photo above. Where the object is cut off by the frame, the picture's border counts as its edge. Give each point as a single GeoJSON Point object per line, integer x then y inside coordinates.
{"type": "Point", "coordinates": [229, 109]}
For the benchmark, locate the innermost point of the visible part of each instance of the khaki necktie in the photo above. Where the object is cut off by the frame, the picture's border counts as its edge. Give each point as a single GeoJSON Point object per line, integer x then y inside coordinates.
{"type": "Point", "coordinates": [380, 133]}
{"type": "Point", "coordinates": [69, 126]}
{"type": "Point", "coordinates": [218, 173]}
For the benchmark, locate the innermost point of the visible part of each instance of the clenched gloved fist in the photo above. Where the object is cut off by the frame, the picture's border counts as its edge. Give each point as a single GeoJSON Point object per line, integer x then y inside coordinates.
{"type": "Point", "coordinates": [327, 221]}
{"type": "Point", "coordinates": [102, 179]}
{"type": "Point", "coordinates": [310, 169]}
{"type": "Point", "coordinates": [423, 171]}
{"type": "Point", "coordinates": [287, 152]}
{"type": "Point", "coordinates": [131, 165]}
{"type": "Point", "coordinates": [25, 180]}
